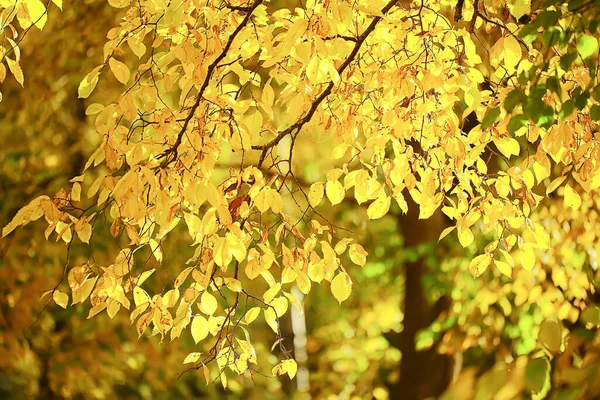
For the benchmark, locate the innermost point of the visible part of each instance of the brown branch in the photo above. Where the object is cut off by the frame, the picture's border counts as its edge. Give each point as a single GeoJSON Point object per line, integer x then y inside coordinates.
{"type": "Point", "coordinates": [240, 8]}
{"type": "Point", "coordinates": [476, 14]}
{"type": "Point", "coordinates": [211, 69]}
{"type": "Point", "coordinates": [300, 123]}
{"type": "Point", "coordinates": [347, 38]}
{"type": "Point", "coordinates": [458, 11]}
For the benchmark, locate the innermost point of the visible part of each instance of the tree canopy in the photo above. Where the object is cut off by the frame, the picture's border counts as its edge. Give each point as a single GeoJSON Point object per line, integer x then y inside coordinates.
{"type": "Point", "coordinates": [206, 166]}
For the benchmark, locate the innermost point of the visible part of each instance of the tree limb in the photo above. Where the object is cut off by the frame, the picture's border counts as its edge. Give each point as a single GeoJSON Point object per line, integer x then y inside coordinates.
{"type": "Point", "coordinates": [301, 122]}
{"type": "Point", "coordinates": [211, 69]}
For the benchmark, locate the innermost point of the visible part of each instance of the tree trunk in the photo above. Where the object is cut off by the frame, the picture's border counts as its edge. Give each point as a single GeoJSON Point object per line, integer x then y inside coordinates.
{"type": "Point", "coordinates": [423, 374]}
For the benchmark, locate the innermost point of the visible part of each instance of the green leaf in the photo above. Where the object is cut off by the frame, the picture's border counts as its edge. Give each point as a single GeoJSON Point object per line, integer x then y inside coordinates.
{"type": "Point", "coordinates": [581, 100]}
{"type": "Point", "coordinates": [593, 27]}
{"type": "Point", "coordinates": [551, 36]}
{"type": "Point", "coordinates": [587, 46]}
{"type": "Point", "coordinates": [553, 84]}
{"type": "Point", "coordinates": [567, 60]}
{"type": "Point", "coordinates": [546, 19]}
{"type": "Point", "coordinates": [596, 93]}
{"type": "Point", "coordinates": [514, 98]}
{"type": "Point", "coordinates": [537, 376]}
{"type": "Point", "coordinates": [545, 118]}
{"type": "Point", "coordinates": [529, 32]}
{"type": "Point", "coordinates": [595, 113]}
{"type": "Point", "coordinates": [574, 5]}
{"type": "Point", "coordinates": [567, 109]}
{"type": "Point", "coordinates": [516, 123]}
{"type": "Point", "coordinates": [490, 117]}
{"type": "Point", "coordinates": [550, 336]}
{"type": "Point", "coordinates": [591, 316]}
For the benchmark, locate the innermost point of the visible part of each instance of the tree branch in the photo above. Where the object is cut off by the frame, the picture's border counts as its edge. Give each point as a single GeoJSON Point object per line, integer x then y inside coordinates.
{"type": "Point", "coordinates": [211, 69]}
{"type": "Point", "coordinates": [458, 11]}
{"type": "Point", "coordinates": [344, 37]}
{"type": "Point", "coordinates": [300, 123]}
{"type": "Point", "coordinates": [240, 8]}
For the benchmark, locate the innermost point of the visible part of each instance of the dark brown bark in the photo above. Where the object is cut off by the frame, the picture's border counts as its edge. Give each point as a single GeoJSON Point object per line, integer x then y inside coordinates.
{"type": "Point", "coordinates": [423, 374]}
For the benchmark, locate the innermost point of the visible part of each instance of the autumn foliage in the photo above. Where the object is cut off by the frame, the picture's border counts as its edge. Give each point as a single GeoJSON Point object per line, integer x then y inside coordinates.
{"type": "Point", "coordinates": [245, 153]}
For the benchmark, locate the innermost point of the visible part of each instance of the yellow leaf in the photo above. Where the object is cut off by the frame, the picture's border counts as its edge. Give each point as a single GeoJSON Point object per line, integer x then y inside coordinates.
{"type": "Point", "coordinates": [315, 194]}
{"type": "Point", "coordinates": [268, 95]}
{"type": "Point", "coordinates": [335, 192]}
{"type": "Point", "coordinates": [278, 369]}
{"type": "Point", "coordinates": [316, 271]}
{"type": "Point", "coordinates": [60, 298]}
{"type": "Point", "coordinates": [156, 250]}
{"type": "Point", "coordinates": [170, 298]}
{"type": "Point", "coordinates": [518, 8]}
{"type": "Point", "coordinates": [192, 358]}
{"type": "Point", "coordinates": [252, 314]}
{"type": "Point", "coordinates": [280, 305]}
{"type": "Point", "coordinates": [445, 232]}
{"type": "Point", "coordinates": [508, 146]}
{"type": "Point", "coordinates": [208, 303]}
{"type": "Point", "coordinates": [16, 70]}
{"type": "Point", "coordinates": [140, 296]}
{"type": "Point", "coordinates": [504, 268]}
{"type": "Point", "coordinates": [572, 198]}
{"type": "Point", "coordinates": [357, 254]}
{"type": "Point", "coordinates": [276, 202]}
{"type": "Point", "coordinates": [529, 179]}
{"type": "Point", "coordinates": [84, 231]}
{"type": "Point", "coordinates": [268, 198]}
{"type": "Point", "coordinates": [465, 236]}
{"type": "Point", "coordinates": [59, 3]}
{"type": "Point", "coordinates": [339, 151]}
{"type": "Point", "coordinates": [270, 294]}
{"type": "Point", "coordinates": [555, 184]}
{"type": "Point", "coordinates": [317, 71]}
{"type": "Point", "coordinates": [271, 319]}
{"type": "Point", "coordinates": [290, 367]}
{"type": "Point", "coordinates": [471, 51]}
{"type": "Point", "coordinates": [37, 13]}
{"type": "Point", "coordinates": [84, 291]}
{"type": "Point", "coordinates": [76, 192]}
{"type": "Point", "coordinates": [541, 171]}
{"type": "Point", "coordinates": [30, 212]}
{"type": "Point", "coordinates": [119, 3]}
{"type": "Point", "coordinates": [303, 282]}
{"type": "Point", "coordinates": [341, 287]}
{"type": "Point", "coordinates": [113, 308]}
{"type": "Point", "coordinates": [550, 336]}
{"type": "Point", "coordinates": [119, 70]}
{"type": "Point", "coordinates": [379, 207]}
{"type": "Point", "coordinates": [233, 284]}
{"type": "Point", "coordinates": [479, 264]}
{"type": "Point", "coordinates": [542, 238]}
{"type": "Point", "coordinates": [145, 275]}
{"type": "Point", "coordinates": [254, 122]}
{"type": "Point", "coordinates": [527, 258]}
{"type": "Point", "coordinates": [512, 53]}
{"type": "Point", "coordinates": [199, 328]}
{"type": "Point", "coordinates": [206, 373]}
{"type": "Point", "coordinates": [87, 86]}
